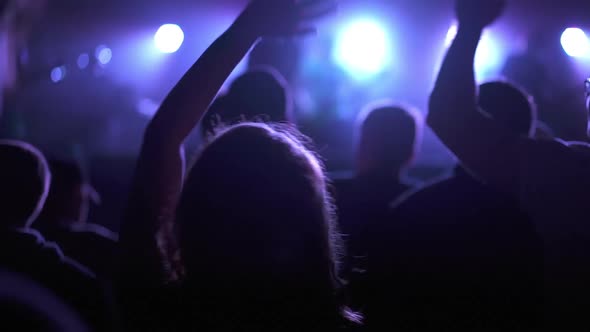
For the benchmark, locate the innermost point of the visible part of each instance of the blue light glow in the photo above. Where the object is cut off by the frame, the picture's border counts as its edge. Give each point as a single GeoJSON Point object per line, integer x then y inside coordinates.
{"type": "Point", "coordinates": [83, 60]}
{"type": "Point", "coordinates": [575, 43]}
{"type": "Point", "coordinates": [363, 49]}
{"type": "Point", "coordinates": [169, 38]}
{"type": "Point", "coordinates": [104, 54]}
{"type": "Point", "coordinates": [451, 34]}
{"type": "Point", "coordinates": [58, 74]}
{"type": "Point", "coordinates": [147, 107]}
{"type": "Point", "coordinates": [488, 57]}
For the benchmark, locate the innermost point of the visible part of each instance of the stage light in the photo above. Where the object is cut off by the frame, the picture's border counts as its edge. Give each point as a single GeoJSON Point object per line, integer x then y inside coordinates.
{"type": "Point", "coordinates": [575, 43]}
{"type": "Point", "coordinates": [104, 54]}
{"type": "Point", "coordinates": [488, 56]}
{"type": "Point", "coordinates": [169, 38]}
{"type": "Point", "coordinates": [58, 74]}
{"type": "Point", "coordinates": [363, 48]}
{"type": "Point", "coordinates": [83, 60]}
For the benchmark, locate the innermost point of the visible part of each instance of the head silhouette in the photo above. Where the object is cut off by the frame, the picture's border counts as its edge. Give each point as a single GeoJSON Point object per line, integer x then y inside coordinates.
{"type": "Point", "coordinates": [388, 136]}
{"type": "Point", "coordinates": [255, 219]}
{"type": "Point", "coordinates": [69, 195]}
{"type": "Point", "coordinates": [261, 92]}
{"type": "Point", "coordinates": [509, 105]}
{"type": "Point", "coordinates": [24, 183]}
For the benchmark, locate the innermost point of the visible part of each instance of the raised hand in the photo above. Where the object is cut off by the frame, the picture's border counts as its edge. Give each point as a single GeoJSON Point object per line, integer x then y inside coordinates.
{"type": "Point", "coordinates": [281, 18]}
{"type": "Point", "coordinates": [478, 13]}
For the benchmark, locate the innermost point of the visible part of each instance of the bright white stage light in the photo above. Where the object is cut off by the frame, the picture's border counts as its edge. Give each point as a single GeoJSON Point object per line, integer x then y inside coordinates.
{"type": "Point", "coordinates": [575, 43]}
{"type": "Point", "coordinates": [363, 48]}
{"type": "Point", "coordinates": [169, 38]}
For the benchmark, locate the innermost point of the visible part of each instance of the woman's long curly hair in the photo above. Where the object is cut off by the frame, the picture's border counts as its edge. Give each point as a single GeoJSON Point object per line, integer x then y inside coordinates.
{"type": "Point", "coordinates": [256, 226]}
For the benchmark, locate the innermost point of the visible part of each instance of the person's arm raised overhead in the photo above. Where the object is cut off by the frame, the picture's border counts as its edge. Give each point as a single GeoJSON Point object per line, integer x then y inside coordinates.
{"type": "Point", "coordinates": [481, 144]}
{"type": "Point", "coordinates": [159, 174]}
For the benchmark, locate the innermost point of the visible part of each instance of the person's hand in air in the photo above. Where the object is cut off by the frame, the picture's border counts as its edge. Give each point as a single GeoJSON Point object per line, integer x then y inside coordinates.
{"type": "Point", "coordinates": [478, 14]}
{"type": "Point", "coordinates": [283, 18]}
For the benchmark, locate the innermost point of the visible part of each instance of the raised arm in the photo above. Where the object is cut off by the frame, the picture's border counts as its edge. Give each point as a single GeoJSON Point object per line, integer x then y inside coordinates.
{"type": "Point", "coordinates": [481, 144]}
{"type": "Point", "coordinates": [159, 174]}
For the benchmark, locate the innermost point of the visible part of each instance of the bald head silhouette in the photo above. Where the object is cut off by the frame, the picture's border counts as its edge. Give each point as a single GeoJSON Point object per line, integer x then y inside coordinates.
{"type": "Point", "coordinates": [24, 183]}
{"type": "Point", "coordinates": [509, 105]}
{"type": "Point", "coordinates": [259, 94]}
{"type": "Point", "coordinates": [387, 139]}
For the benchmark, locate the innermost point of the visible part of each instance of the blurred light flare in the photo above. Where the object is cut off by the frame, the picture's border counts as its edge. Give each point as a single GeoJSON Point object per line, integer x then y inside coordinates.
{"type": "Point", "coordinates": [575, 43]}
{"type": "Point", "coordinates": [169, 38]}
{"type": "Point", "coordinates": [83, 60]}
{"type": "Point", "coordinates": [104, 54]}
{"type": "Point", "coordinates": [363, 48]}
{"type": "Point", "coordinates": [58, 74]}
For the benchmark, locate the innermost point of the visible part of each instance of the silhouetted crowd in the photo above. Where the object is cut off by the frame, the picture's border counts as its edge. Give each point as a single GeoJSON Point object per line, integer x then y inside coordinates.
{"type": "Point", "coordinates": [251, 235]}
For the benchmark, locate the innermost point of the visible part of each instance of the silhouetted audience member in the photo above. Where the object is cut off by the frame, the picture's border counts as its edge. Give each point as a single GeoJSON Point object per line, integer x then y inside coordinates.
{"type": "Point", "coordinates": [261, 93]}
{"type": "Point", "coordinates": [257, 239]}
{"type": "Point", "coordinates": [24, 184]}
{"type": "Point", "coordinates": [387, 141]}
{"type": "Point", "coordinates": [548, 178]}
{"type": "Point", "coordinates": [64, 220]}
{"type": "Point", "coordinates": [460, 254]}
